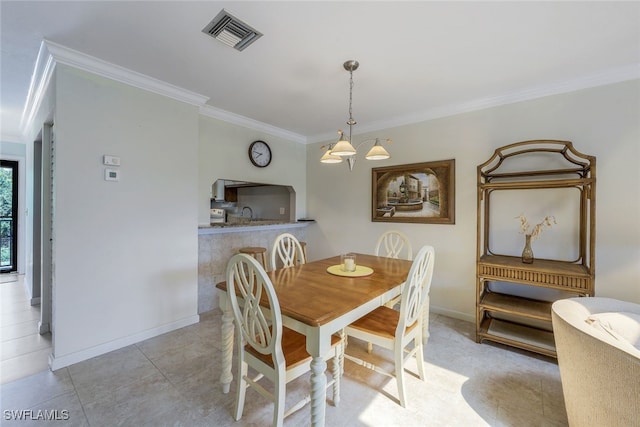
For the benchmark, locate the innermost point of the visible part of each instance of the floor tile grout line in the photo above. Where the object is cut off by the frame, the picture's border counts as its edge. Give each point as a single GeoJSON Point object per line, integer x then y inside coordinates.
{"type": "Point", "coordinates": [20, 323]}
{"type": "Point", "coordinates": [173, 385]}
{"type": "Point", "coordinates": [75, 390]}
{"type": "Point", "coordinates": [2, 342]}
{"type": "Point", "coordinates": [6, 325]}
{"type": "Point", "coordinates": [9, 323]}
{"type": "Point", "coordinates": [82, 404]}
{"type": "Point", "coordinates": [157, 367]}
{"type": "Point", "coordinates": [43, 339]}
{"type": "Point", "coordinates": [25, 355]}
{"type": "Point", "coordinates": [151, 361]}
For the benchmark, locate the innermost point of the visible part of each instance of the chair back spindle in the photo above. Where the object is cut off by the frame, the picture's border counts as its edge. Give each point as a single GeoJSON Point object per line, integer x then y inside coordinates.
{"type": "Point", "coordinates": [394, 244]}
{"type": "Point", "coordinates": [287, 250]}
{"type": "Point", "coordinates": [416, 290]}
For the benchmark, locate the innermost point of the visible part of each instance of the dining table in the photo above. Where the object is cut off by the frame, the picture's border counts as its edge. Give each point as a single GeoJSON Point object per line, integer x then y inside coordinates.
{"type": "Point", "coordinates": [318, 299]}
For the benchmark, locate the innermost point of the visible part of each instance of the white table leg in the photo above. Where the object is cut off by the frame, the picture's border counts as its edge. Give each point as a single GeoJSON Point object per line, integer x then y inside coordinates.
{"type": "Point", "coordinates": [337, 366]}
{"type": "Point", "coordinates": [318, 345]}
{"type": "Point", "coordinates": [227, 342]}
{"type": "Point", "coordinates": [318, 391]}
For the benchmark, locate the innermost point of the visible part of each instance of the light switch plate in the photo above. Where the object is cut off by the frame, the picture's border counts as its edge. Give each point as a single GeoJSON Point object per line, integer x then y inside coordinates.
{"type": "Point", "coordinates": [111, 160]}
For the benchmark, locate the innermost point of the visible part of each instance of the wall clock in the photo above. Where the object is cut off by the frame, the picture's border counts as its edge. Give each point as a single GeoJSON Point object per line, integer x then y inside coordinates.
{"type": "Point", "coordinates": [260, 154]}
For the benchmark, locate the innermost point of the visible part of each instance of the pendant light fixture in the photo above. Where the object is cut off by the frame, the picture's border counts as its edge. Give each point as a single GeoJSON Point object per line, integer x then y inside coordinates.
{"type": "Point", "coordinates": [344, 147]}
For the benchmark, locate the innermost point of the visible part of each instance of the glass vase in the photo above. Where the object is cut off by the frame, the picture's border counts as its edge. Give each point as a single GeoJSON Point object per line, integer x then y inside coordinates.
{"type": "Point", "coordinates": [527, 252]}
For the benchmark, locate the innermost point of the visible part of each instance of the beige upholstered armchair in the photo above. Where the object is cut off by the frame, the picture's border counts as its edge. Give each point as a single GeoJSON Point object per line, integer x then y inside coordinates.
{"type": "Point", "coordinates": [598, 346]}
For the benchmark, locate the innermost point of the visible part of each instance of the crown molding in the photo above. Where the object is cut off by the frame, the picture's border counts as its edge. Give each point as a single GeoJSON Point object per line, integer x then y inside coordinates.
{"type": "Point", "coordinates": [226, 116]}
{"type": "Point", "coordinates": [52, 53]}
{"type": "Point", "coordinates": [40, 79]}
{"type": "Point", "coordinates": [611, 76]}
{"type": "Point", "coordinates": [73, 58]}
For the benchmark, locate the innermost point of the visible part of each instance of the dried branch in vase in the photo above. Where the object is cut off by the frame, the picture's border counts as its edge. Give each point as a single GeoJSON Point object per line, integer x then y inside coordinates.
{"type": "Point", "coordinates": [547, 222]}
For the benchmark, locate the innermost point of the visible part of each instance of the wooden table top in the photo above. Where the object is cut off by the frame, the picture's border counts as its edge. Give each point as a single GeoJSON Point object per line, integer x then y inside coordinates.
{"type": "Point", "coordinates": [311, 295]}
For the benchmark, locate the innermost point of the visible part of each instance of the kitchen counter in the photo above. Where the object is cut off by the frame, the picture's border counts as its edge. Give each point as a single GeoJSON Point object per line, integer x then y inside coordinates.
{"type": "Point", "coordinates": [256, 225]}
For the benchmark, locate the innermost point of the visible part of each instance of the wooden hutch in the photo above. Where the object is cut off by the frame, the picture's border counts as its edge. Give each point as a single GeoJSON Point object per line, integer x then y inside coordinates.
{"type": "Point", "coordinates": [516, 320]}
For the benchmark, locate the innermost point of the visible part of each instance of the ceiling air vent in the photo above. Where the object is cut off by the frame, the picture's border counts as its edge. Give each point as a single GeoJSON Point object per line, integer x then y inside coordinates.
{"type": "Point", "coordinates": [231, 31]}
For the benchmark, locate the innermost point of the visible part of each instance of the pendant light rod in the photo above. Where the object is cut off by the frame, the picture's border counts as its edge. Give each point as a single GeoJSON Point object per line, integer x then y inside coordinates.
{"type": "Point", "coordinates": [344, 147]}
{"type": "Point", "coordinates": [351, 66]}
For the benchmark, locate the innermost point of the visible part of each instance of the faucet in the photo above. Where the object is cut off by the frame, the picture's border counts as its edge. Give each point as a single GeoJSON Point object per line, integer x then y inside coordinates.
{"type": "Point", "coordinates": [250, 212]}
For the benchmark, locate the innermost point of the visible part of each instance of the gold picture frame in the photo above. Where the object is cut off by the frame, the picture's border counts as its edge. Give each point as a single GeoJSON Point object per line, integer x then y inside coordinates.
{"type": "Point", "coordinates": [414, 193]}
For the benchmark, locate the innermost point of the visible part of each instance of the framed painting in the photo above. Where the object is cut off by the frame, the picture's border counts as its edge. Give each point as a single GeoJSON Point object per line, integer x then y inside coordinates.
{"type": "Point", "coordinates": [417, 192]}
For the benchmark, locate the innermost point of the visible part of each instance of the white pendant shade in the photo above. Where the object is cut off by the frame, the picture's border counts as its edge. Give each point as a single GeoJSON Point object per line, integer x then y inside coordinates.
{"type": "Point", "coordinates": [329, 157]}
{"type": "Point", "coordinates": [377, 152]}
{"type": "Point", "coordinates": [343, 148]}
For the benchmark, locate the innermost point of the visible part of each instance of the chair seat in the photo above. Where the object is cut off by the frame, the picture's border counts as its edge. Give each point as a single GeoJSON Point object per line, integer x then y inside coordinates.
{"type": "Point", "coordinates": [257, 252]}
{"type": "Point", "coordinates": [252, 250]}
{"type": "Point", "coordinates": [382, 321]}
{"type": "Point", "coordinates": [294, 349]}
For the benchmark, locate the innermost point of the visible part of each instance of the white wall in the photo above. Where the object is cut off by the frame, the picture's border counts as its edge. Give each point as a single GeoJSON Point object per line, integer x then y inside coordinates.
{"type": "Point", "coordinates": [602, 121]}
{"type": "Point", "coordinates": [223, 153]}
{"type": "Point", "coordinates": [125, 253]}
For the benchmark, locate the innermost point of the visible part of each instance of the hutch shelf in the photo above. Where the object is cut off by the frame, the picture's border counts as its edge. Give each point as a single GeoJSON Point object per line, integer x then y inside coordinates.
{"type": "Point", "coordinates": [514, 320]}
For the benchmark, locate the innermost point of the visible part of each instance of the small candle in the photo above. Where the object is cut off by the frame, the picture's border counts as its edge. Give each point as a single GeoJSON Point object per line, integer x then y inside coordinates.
{"type": "Point", "coordinates": [349, 264]}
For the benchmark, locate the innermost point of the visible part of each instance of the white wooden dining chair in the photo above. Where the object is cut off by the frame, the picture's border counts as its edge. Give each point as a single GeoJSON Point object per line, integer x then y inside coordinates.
{"type": "Point", "coordinates": [274, 351]}
{"type": "Point", "coordinates": [288, 251]}
{"type": "Point", "coordinates": [394, 244]}
{"type": "Point", "coordinates": [397, 330]}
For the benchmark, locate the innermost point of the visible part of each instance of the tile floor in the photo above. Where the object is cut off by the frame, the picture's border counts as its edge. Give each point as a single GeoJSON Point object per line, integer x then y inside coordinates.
{"type": "Point", "coordinates": [22, 350]}
{"type": "Point", "coordinates": [172, 380]}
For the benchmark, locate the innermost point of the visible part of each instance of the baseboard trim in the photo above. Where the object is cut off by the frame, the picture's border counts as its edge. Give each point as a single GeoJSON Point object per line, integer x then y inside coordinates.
{"type": "Point", "coordinates": [56, 363]}
{"type": "Point", "coordinates": [452, 313]}
{"type": "Point", "coordinates": [34, 301]}
{"type": "Point", "coordinates": [43, 327]}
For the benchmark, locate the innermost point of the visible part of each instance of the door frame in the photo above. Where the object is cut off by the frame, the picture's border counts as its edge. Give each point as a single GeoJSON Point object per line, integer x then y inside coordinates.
{"type": "Point", "coordinates": [46, 226]}
{"type": "Point", "coordinates": [20, 214]}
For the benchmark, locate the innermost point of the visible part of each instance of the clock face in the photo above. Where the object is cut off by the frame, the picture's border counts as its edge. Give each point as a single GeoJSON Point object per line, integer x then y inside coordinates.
{"type": "Point", "coordinates": [260, 154]}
